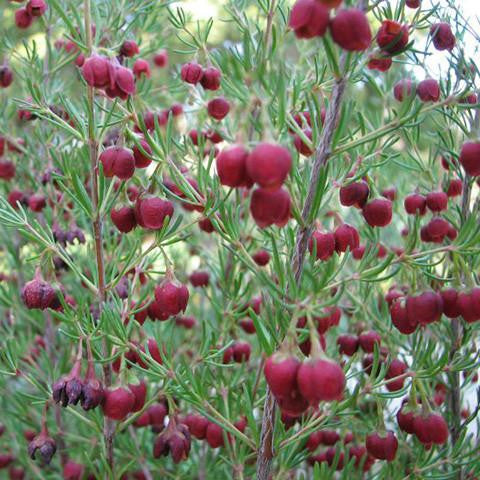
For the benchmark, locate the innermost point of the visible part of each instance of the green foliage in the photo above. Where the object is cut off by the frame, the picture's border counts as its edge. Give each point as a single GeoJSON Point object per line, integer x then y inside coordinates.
{"type": "Point", "coordinates": [268, 78]}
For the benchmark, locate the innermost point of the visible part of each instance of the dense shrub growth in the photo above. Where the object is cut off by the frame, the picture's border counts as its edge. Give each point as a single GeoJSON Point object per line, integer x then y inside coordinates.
{"type": "Point", "coordinates": [242, 247]}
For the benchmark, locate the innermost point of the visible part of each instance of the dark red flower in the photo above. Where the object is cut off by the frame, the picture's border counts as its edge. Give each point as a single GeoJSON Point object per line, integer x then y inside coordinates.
{"type": "Point", "coordinates": [174, 440]}
{"type": "Point", "coordinates": [129, 48]}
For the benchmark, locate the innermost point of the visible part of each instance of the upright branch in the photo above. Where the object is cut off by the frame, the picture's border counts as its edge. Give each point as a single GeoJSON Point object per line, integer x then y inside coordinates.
{"type": "Point", "coordinates": [108, 428]}
{"type": "Point", "coordinates": [322, 154]}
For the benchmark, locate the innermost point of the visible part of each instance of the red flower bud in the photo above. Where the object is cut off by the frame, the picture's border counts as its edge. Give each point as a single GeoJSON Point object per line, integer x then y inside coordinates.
{"type": "Point", "coordinates": [301, 146]}
{"type": "Point", "coordinates": [442, 36]}
{"type": "Point", "coordinates": [199, 279]}
{"type": "Point", "coordinates": [186, 322]}
{"type": "Point", "coordinates": [261, 258]}
{"type": "Point", "coordinates": [124, 83]}
{"type": "Point", "coordinates": [309, 18]}
{"type": "Point", "coordinates": [118, 161]}
{"type": "Point", "coordinates": [7, 170]}
{"type": "Point", "coordinates": [218, 108]}
{"type": "Point", "coordinates": [241, 352]}
{"type": "Point", "coordinates": [425, 308]}
{"type": "Point", "coordinates": [469, 305]}
{"type": "Point", "coordinates": [151, 212]}
{"type": "Point", "coordinates": [281, 374]}
{"type": "Point", "coordinates": [232, 166]}
{"type": "Point", "coordinates": [431, 428]}
{"type": "Point", "coordinates": [323, 244]}
{"type": "Point", "coordinates": [436, 230]}
{"type": "Point", "coordinates": [392, 37]}
{"type": "Point", "coordinates": [214, 435]}
{"type": "Point", "coordinates": [206, 225]}
{"type": "Point", "coordinates": [470, 158]}
{"type": "Point", "coordinates": [348, 344]}
{"type": "Point", "coordinates": [6, 78]}
{"type": "Point", "coordinates": [428, 90]}
{"type": "Point", "coordinates": [437, 201]}
{"type": "Point", "coordinates": [154, 350]}
{"type": "Point", "coordinates": [6, 459]}
{"type": "Point", "coordinates": [139, 391]}
{"type": "Point", "coordinates": [450, 303]}
{"type": "Point", "coordinates": [142, 160]}
{"type": "Point", "coordinates": [402, 322]}
{"type": "Point", "coordinates": [160, 59]}
{"type": "Point", "coordinates": [415, 204]}
{"type": "Point", "coordinates": [73, 471]}
{"type": "Point", "coordinates": [38, 294]}
{"type": "Point", "coordinates": [321, 380]}
{"type": "Point", "coordinates": [359, 453]}
{"type": "Point", "coordinates": [268, 165]}
{"type": "Point", "coordinates": [270, 207]}
{"type": "Point", "coordinates": [455, 187]}
{"type": "Point", "coordinates": [197, 425]}
{"type": "Point", "coordinates": [118, 403]}
{"type": "Point", "coordinates": [346, 237]}
{"type": "Point", "coordinates": [378, 212]}
{"type": "Point", "coordinates": [303, 119]}
{"type": "Point", "coordinates": [98, 72]}
{"type": "Point", "coordinates": [192, 73]}
{"type": "Point", "coordinates": [293, 405]}
{"type": "Point", "coordinates": [172, 297]}
{"type": "Point", "coordinates": [124, 218]}
{"type": "Point", "coordinates": [16, 473]}
{"type": "Point", "coordinates": [412, 3]}
{"type": "Point", "coordinates": [129, 48]}
{"type": "Point", "coordinates": [382, 447]}
{"type": "Point", "coordinates": [23, 19]}
{"type": "Point", "coordinates": [368, 340]}
{"type": "Point", "coordinates": [382, 64]}
{"type": "Point", "coordinates": [211, 78]}
{"type": "Point", "coordinates": [354, 194]}
{"type": "Point", "coordinates": [350, 30]}
{"type": "Point", "coordinates": [396, 369]}
{"type": "Point", "coordinates": [141, 67]}
{"type": "Point", "coordinates": [37, 202]}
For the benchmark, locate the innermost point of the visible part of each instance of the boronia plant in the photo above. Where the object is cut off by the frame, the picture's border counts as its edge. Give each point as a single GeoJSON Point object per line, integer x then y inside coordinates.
{"type": "Point", "coordinates": [244, 246]}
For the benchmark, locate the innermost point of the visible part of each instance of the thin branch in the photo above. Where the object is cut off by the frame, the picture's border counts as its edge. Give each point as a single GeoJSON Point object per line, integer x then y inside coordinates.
{"type": "Point", "coordinates": [108, 427]}
{"type": "Point", "coordinates": [323, 151]}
